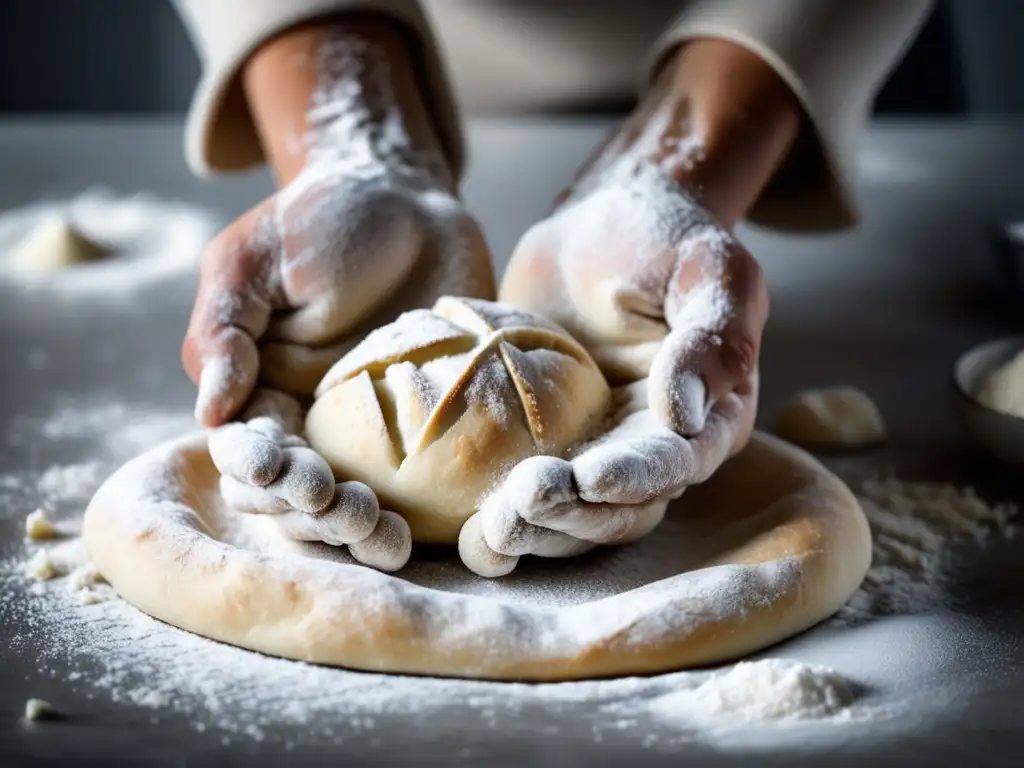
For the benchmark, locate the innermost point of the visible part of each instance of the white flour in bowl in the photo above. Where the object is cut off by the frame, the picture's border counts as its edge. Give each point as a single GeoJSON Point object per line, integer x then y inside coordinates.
{"type": "Point", "coordinates": [103, 647]}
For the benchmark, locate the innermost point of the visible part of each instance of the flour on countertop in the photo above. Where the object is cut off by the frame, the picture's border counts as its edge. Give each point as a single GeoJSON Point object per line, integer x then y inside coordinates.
{"type": "Point", "coordinates": [150, 240]}
{"type": "Point", "coordinates": [913, 526]}
{"type": "Point", "coordinates": [146, 663]}
{"type": "Point", "coordinates": [111, 649]}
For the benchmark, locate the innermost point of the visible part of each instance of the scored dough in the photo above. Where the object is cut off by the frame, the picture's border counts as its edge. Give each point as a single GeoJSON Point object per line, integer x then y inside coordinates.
{"type": "Point", "coordinates": [772, 544]}
{"type": "Point", "coordinates": [430, 410]}
{"type": "Point", "coordinates": [836, 417]}
{"type": "Point", "coordinates": [53, 244]}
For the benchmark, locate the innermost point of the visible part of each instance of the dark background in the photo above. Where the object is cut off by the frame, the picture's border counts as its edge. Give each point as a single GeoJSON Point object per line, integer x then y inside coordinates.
{"type": "Point", "coordinates": [111, 56]}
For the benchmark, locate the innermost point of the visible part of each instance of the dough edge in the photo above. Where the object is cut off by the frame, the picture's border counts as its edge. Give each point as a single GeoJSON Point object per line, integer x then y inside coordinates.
{"type": "Point", "coordinates": [152, 547]}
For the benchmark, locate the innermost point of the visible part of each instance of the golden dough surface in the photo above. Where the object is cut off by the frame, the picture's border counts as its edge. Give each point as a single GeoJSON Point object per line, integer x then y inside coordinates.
{"type": "Point", "coordinates": [768, 547]}
{"type": "Point", "coordinates": [431, 410]}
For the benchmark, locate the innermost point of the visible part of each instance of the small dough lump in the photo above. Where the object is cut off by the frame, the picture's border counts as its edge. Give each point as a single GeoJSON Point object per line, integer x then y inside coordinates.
{"type": "Point", "coordinates": [836, 417]}
{"type": "Point", "coordinates": [53, 244]}
{"type": "Point", "coordinates": [432, 410]}
{"type": "Point", "coordinates": [1003, 389]}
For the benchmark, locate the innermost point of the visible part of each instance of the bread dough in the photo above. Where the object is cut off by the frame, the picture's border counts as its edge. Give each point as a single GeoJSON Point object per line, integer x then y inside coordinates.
{"type": "Point", "coordinates": [769, 546]}
{"type": "Point", "coordinates": [431, 410]}
{"type": "Point", "coordinates": [1003, 389]}
{"type": "Point", "coordinates": [53, 244]}
{"type": "Point", "coordinates": [837, 417]}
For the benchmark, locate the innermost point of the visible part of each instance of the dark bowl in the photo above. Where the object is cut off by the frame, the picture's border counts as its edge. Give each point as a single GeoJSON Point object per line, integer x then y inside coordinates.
{"type": "Point", "coordinates": [1009, 245]}
{"type": "Point", "coordinates": [1000, 433]}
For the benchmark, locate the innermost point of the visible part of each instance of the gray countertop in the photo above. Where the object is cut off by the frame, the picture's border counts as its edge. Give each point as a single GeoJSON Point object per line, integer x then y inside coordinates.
{"type": "Point", "coordinates": [886, 308]}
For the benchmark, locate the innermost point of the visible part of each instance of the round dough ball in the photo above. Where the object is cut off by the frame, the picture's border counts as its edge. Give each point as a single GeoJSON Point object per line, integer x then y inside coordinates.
{"type": "Point", "coordinates": [53, 244]}
{"type": "Point", "coordinates": [431, 410]}
{"type": "Point", "coordinates": [836, 417]}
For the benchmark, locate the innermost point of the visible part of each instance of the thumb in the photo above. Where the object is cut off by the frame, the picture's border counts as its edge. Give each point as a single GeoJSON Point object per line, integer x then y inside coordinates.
{"type": "Point", "coordinates": [712, 350]}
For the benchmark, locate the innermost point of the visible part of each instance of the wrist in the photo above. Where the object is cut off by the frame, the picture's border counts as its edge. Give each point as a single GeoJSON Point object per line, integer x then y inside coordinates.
{"type": "Point", "coordinates": [341, 89]}
{"type": "Point", "coordinates": [717, 120]}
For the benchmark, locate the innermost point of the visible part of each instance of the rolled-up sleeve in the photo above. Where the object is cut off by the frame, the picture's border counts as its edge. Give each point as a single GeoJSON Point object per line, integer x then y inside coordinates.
{"type": "Point", "coordinates": [221, 135]}
{"type": "Point", "coordinates": [834, 55]}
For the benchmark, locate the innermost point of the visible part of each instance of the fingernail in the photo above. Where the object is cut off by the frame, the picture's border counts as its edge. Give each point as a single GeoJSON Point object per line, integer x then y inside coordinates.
{"type": "Point", "coordinates": [214, 385]}
{"type": "Point", "coordinates": [685, 404]}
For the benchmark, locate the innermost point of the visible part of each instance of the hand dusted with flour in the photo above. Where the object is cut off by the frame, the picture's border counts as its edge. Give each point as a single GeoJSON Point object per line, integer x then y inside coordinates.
{"type": "Point", "coordinates": [367, 223]}
{"type": "Point", "coordinates": [637, 262]}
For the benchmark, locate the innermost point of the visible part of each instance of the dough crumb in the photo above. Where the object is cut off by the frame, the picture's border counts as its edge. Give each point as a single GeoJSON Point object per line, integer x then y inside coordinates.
{"type": "Point", "coordinates": [38, 526]}
{"type": "Point", "coordinates": [83, 577]}
{"type": "Point", "coordinates": [835, 417]}
{"type": "Point", "coordinates": [90, 596]}
{"type": "Point", "coordinates": [1003, 389]}
{"type": "Point", "coordinates": [37, 709]}
{"type": "Point", "coordinates": [42, 567]}
{"type": "Point", "coordinates": [54, 244]}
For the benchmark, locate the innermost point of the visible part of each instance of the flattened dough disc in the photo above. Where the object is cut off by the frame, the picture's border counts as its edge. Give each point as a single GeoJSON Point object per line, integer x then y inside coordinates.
{"type": "Point", "coordinates": [771, 545]}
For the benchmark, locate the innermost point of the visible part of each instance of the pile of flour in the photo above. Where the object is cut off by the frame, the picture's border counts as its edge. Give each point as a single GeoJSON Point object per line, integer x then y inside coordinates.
{"type": "Point", "coordinates": [110, 649]}
{"type": "Point", "coordinates": [149, 239]}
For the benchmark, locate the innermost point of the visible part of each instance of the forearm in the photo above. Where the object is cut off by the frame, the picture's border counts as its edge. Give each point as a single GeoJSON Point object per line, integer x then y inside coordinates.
{"type": "Point", "coordinates": [344, 84]}
{"type": "Point", "coordinates": [718, 120]}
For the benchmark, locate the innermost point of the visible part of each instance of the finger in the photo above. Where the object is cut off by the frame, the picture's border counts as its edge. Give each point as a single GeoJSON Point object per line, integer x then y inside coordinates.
{"type": "Point", "coordinates": [637, 461]}
{"type": "Point", "coordinates": [677, 393]}
{"type": "Point", "coordinates": [477, 556]}
{"type": "Point", "coordinates": [717, 306]}
{"type": "Point", "coordinates": [251, 499]}
{"type": "Point", "coordinates": [646, 519]}
{"type": "Point", "coordinates": [245, 454]}
{"type": "Point", "coordinates": [306, 482]}
{"type": "Point", "coordinates": [641, 461]}
{"type": "Point", "coordinates": [542, 491]}
{"type": "Point", "coordinates": [280, 408]}
{"type": "Point", "coordinates": [351, 516]}
{"type": "Point", "coordinates": [389, 546]}
{"type": "Point", "coordinates": [237, 292]}
{"type": "Point", "coordinates": [507, 533]}
{"type": "Point", "coordinates": [349, 519]}
{"type": "Point", "coordinates": [295, 368]}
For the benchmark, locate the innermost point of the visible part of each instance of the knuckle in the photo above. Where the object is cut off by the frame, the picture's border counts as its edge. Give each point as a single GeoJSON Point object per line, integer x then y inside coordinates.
{"type": "Point", "coordinates": [738, 355]}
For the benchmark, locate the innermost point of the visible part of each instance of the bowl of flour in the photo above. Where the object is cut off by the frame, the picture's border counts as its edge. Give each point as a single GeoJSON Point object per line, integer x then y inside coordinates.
{"type": "Point", "coordinates": [988, 383]}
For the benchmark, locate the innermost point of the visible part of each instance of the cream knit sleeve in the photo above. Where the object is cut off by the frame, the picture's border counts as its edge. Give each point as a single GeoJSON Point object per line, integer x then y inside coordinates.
{"type": "Point", "coordinates": [835, 55]}
{"type": "Point", "coordinates": [220, 135]}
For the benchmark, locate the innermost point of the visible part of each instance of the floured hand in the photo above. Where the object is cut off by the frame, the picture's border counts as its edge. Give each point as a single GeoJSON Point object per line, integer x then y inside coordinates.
{"type": "Point", "coordinates": [647, 280]}
{"type": "Point", "coordinates": [266, 471]}
{"type": "Point", "coordinates": [368, 224]}
{"type": "Point", "coordinates": [661, 296]}
{"type": "Point", "coordinates": [612, 490]}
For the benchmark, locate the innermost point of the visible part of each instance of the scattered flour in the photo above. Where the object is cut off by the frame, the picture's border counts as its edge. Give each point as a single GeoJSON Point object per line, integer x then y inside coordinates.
{"type": "Point", "coordinates": [110, 649]}
{"type": "Point", "coordinates": [770, 689]}
{"type": "Point", "coordinates": [913, 526]}
{"type": "Point", "coordinates": [113, 648]}
{"type": "Point", "coordinates": [42, 567]}
{"type": "Point", "coordinates": [70, 482]}
{"type": "Point", "coordinates": [150, 240]}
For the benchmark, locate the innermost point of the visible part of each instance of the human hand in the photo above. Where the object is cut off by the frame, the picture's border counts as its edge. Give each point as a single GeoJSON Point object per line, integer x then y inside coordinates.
{"type": "Point", "coordinates": [643, 276]}
{"type": "Point", "coordinates": [367, 224]}
{"type": "Point", "coordinates": [613, 489]}
{"type": "Point", "coordinates": [265, 470]}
